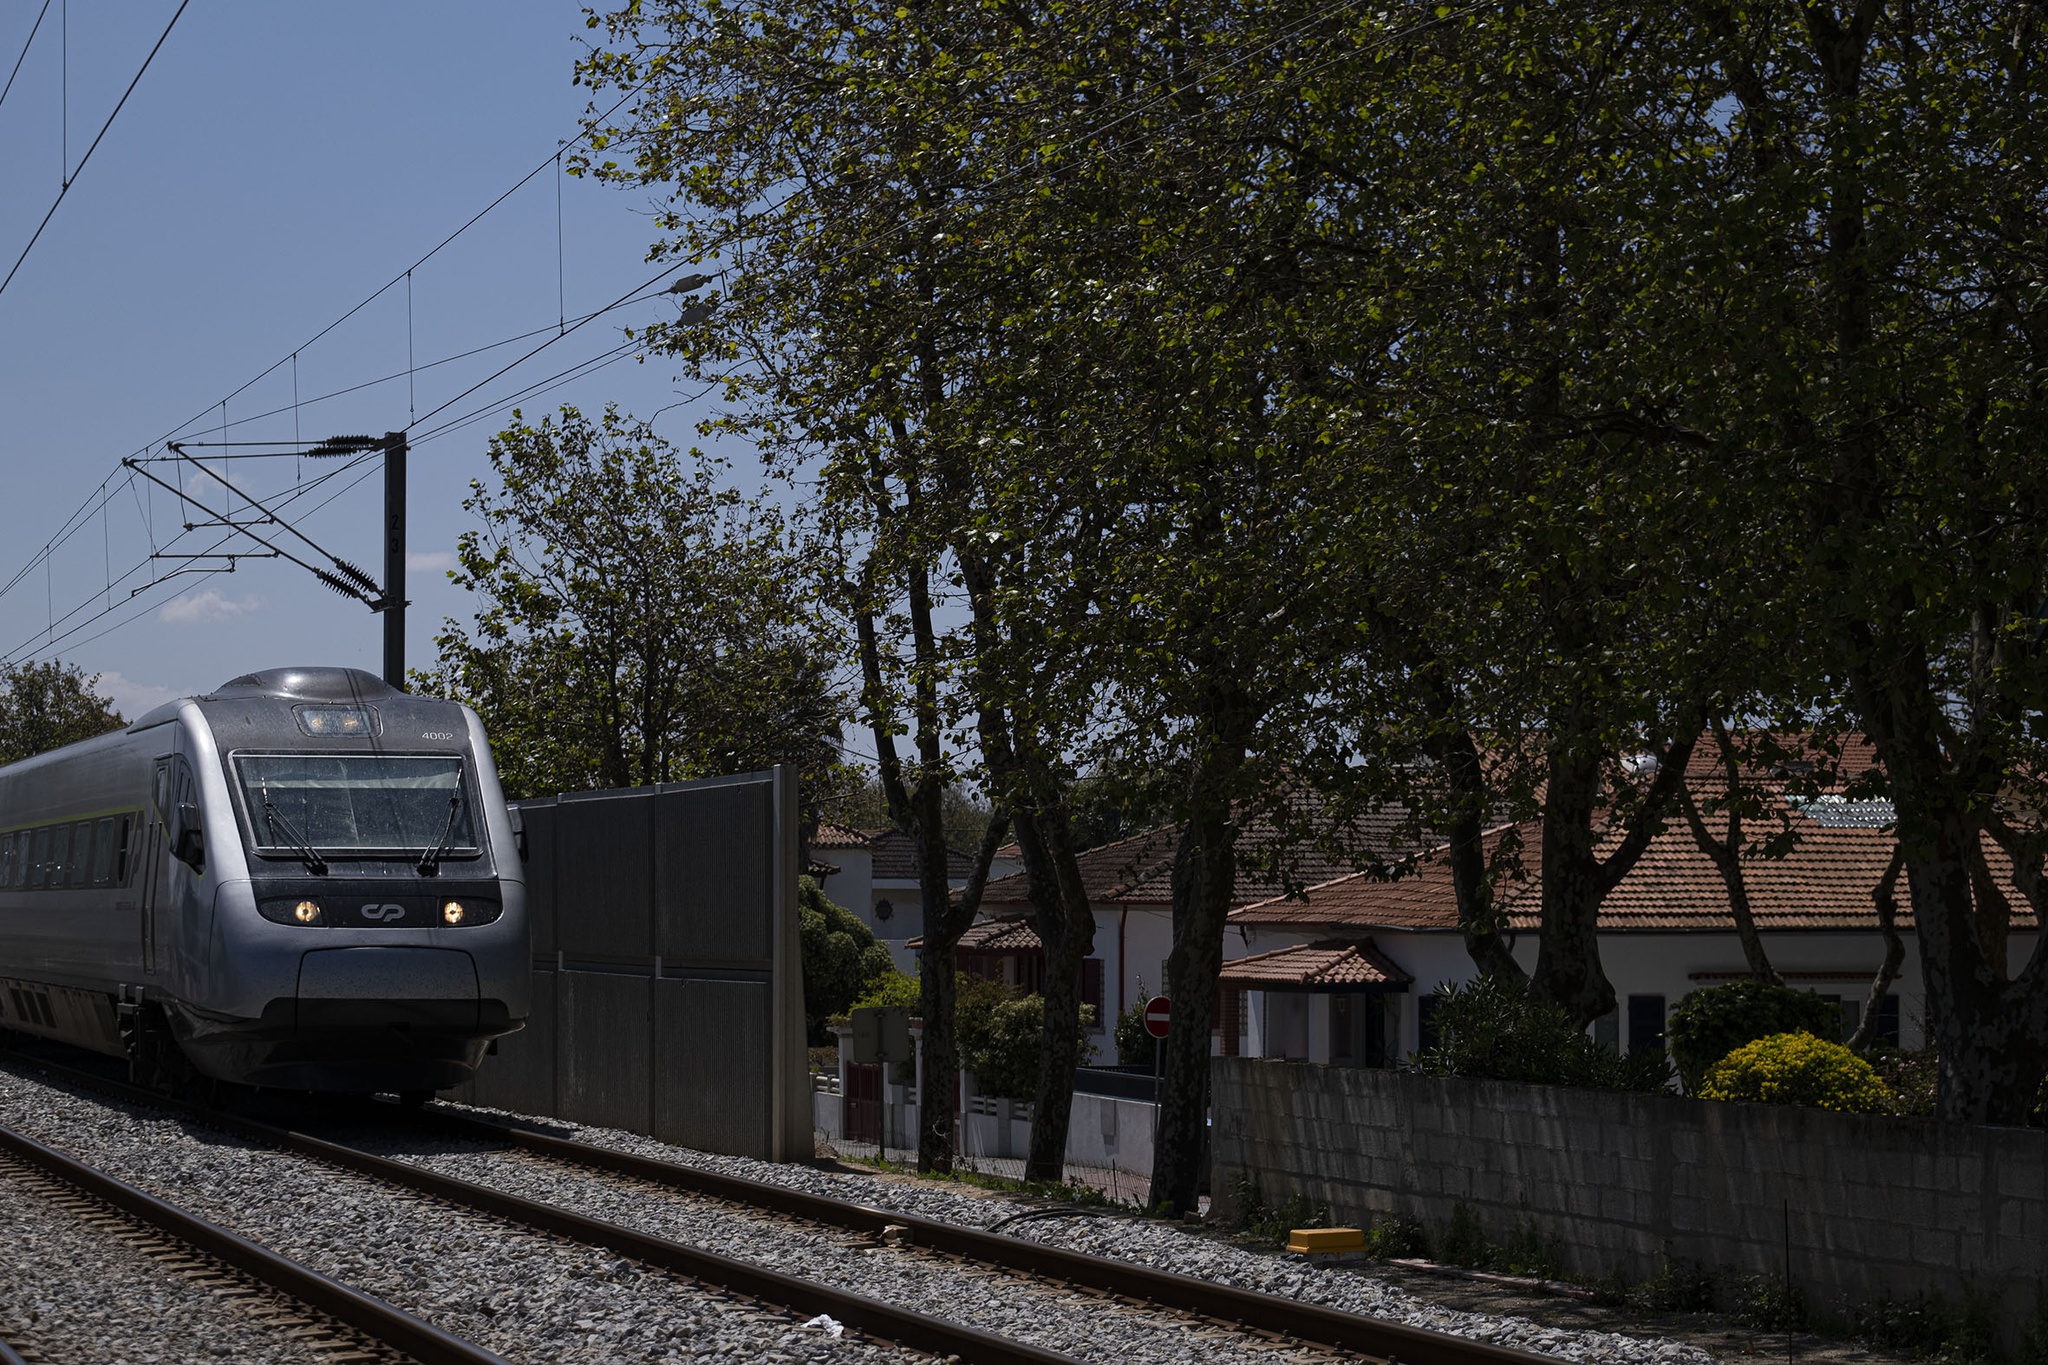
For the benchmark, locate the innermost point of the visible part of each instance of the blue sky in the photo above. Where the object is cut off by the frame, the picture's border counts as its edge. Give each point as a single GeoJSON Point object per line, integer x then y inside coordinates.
{"type": "Point", "coordinates": [275, 165]}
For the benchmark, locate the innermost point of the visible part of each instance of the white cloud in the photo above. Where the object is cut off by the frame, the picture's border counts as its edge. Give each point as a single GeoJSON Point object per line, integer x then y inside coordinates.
{"type": "Point", "coordinates": [134, 699]}
{"type": "Point", "coordinates": [429, 561]}
{"type": "Point", "coordinates": [204, 607]}
{"type": "Point", "coordinates": [211, 485]}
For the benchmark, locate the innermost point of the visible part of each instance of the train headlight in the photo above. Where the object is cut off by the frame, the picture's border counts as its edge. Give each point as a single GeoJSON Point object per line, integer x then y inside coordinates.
{"type": "Point", "coordinates": [453, 913]}
{"type": "Point", "coordinates": [307, 912]}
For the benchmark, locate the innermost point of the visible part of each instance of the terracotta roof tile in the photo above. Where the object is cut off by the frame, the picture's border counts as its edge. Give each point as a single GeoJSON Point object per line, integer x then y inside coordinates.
{"type": "Point", "coordinates": [833, 835]}
{"type": "Point", "coordinates": [1326, 964]}
{"type": "Point", "coordinates": [1008, 935]}
{"type": "Point", "coordinates": [895, 857]}
{"type": "Point", "coordinates": [1139, 869]}
{"type": "Point", "coordinates": [1421, 897]}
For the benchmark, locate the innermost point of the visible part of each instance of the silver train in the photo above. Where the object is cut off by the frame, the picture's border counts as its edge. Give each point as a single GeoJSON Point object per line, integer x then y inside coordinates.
{"type": "Point", "coordinates": [306, 880]}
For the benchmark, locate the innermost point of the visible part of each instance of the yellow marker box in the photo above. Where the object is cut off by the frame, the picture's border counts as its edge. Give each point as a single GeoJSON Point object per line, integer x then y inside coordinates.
{"type": "Point", "coordinates": [1325, 1239]}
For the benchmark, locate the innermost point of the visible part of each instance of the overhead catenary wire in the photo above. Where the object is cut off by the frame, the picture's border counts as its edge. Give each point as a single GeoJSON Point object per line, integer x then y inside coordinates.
{"type": "Point", "coordinates": [1203, 71]}
{"type": "Point", "coordinates": [71, 174]}
{"type": "Point", "coordinates": [33, 30]}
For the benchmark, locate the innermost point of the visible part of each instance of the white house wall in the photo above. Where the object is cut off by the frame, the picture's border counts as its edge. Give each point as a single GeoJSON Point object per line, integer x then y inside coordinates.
{"type": "Point", "coordinates": [1637, 963]}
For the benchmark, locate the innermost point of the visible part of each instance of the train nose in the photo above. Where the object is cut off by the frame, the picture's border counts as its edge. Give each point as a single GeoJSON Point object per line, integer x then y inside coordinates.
{"type": "Point", "coordinates": [353, 987]}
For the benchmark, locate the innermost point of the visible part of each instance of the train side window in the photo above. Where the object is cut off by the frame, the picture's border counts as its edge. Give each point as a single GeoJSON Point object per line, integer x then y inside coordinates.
{"type": "Point", "coordinates": [124, 853]}
{"type": "Point", "coordinates": [81, 853]}
{"type": "Point", "coordinates": [103, 848]}
{"type": "Point", "coordinates": [39, 868]}
{"type": "Point", "coordinates": [7, 856]}
{"type": "Point", "coordinates": [57, 870]}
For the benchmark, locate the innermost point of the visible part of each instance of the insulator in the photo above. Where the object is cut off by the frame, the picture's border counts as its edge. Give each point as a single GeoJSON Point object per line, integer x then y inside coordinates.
{"type": "Point", "coordinates": [348, 570]}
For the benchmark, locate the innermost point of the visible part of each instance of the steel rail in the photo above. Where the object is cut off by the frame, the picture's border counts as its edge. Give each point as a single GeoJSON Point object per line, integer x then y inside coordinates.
{"type": "Point", "coordinates": [393, 1327]}
{"type": "Point", "coordinates": [1307, 1322]}
{"type": "Point", "coordinates": [10, 1356]}
{"type": "Point", "coordinates": [907, 1327]}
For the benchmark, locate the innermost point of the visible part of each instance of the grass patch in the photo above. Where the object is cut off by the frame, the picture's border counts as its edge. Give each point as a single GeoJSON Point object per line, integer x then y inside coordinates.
{"type": "Point", "coordinates": [1059, 1190]}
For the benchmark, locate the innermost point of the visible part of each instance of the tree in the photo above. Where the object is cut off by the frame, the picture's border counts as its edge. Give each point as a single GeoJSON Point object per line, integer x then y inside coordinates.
{"type": "Point", "coordinates": [841, 958]}
{"type": "Point", "coordinates": [639, 621]}
{"type": "Point", "coordinates": [44, 706]}
{"type": "Point", "coordinates": [1859, 266]}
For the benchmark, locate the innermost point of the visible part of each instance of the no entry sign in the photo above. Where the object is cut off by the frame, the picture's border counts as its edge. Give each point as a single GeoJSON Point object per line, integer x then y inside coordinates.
{"type": "Point", "coordinates": [1158, 1011]}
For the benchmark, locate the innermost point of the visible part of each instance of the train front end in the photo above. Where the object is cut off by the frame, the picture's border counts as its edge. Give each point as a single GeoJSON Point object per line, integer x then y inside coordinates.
{"type": "Point", "coordinates": [368, 917]}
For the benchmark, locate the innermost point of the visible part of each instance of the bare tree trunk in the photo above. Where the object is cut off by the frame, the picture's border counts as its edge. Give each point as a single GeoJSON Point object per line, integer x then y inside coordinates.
{"type": "Point", "coordinates": [1727, 856]}
{"type": "Point", "coordinates": [1576, 880]}
{"type": "Point", "coordinates": [1204, 880]}
{"type": "Point", "coordinates": [1478, 909]}
{"type": "Point", "coordinates": [1885, 894]}
{"type": "Point", "coordinates": [1066, 926]}
{"type": "Point", "coordinates": [1568, 970]}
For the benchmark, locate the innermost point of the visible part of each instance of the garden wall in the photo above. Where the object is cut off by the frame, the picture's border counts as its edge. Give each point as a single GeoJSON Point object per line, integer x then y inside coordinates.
{"type": "Point", "coordinates": [1857, 1207]}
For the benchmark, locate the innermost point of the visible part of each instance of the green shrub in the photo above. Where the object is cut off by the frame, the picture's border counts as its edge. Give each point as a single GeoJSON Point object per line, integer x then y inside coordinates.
{"type": "Point", "coordinates": [1912, 1075]}
{"type": "Point", "coordinates": [1773, 1305]}
{"type": "Point", "coordinates": [1271, 1225]}
{"type": "Point", "coordinates": [1798, 1068]}
{"type": "Point", "coordinates": [1396, 1237]}
{"type": "Point", "coordinates": [841, 958]}
{"type": "Point", "coordinates": [1134, 1046]}
{"type": "Point", "coordinates": [891, 988]}
{"type": "Point", "coordinates": [1709, 1024]}
{"type": "Point", "coordinates": [1002, 1036]}
{"type": "Point", "coordinates": [1493, 1029]}
{"type": "Point", "coordinates": [1929, 1327]}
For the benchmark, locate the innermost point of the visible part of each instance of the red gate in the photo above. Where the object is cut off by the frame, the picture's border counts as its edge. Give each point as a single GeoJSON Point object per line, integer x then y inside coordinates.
{"type": "Point", "coordinates": [862, 1103]}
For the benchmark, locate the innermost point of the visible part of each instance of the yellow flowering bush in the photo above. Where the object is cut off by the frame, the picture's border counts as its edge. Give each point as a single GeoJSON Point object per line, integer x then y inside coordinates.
{"type": "Point", "coordinates": [1798, 1068]}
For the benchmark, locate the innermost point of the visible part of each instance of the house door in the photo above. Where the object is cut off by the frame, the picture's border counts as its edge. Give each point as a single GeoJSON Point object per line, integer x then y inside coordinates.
{"type": "Point", "coordinates": [862, 1103]}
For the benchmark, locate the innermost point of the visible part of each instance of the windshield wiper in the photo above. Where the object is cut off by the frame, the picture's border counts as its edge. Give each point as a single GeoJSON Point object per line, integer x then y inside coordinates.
{"type": "Point", "coordinates": [430, 861]}
{"type": "Point", "coordinates": [315, 864]}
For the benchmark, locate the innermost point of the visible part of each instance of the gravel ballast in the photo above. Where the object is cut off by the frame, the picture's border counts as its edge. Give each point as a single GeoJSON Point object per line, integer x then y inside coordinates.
{"type": "Point", "coordinates": [522, 1295]}
{"type": "Point", "coordinates": [69, 1292]}
{"type": "Point", "coordinates": [1142, 1241]}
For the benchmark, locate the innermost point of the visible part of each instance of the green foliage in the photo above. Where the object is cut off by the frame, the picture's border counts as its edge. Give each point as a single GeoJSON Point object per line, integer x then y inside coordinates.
{"type": "Point", "coordinates": [1680, 1286]}
{"type": "Point", "coordinates": [891, 988]}
{"type": "Point", "coordinates": [2034, 1334]}
{"type": "Point", "coordinates": [1798, 1068]}
{"type": "Point", "coordinates": [842, 961]}
{"type": "Point", "coordinates": [1929, 1327]}
{"type": "Point", "coordinates": [1709, 1024]}
{"type": "Point", "coordinates": [1493, 1029]}
{"type": "Point", "coordinates": [1134, 1046]}
{"type": "Point", "coordinates": [1396, 1236]}
{"type": "Point", "coordinates": [1912, 1075]}
{"type": "Point", "coordinates": [1270, 1225]}
{"type": "Point", "coordinates": [45, 706]}
{"type": "Point", "coordinates": [1002, 1036]}
{"type": "Point", "coordinates": [639, 621]}
{"type": "Point", "coordinates": [1770, 1304]}
{"type": "Point", "coordinates": [1525, 1252]}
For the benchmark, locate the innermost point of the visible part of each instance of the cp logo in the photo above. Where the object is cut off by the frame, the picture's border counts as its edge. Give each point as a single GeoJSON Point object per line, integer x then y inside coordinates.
{"type": "Point", "coordinates": [383, 912]}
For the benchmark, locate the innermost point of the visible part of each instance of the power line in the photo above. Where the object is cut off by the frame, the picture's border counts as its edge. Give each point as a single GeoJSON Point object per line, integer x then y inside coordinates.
{"type": "Point", "coordinates": [71, 175]}
{"type": "Point", "coordinates": [33, 30]}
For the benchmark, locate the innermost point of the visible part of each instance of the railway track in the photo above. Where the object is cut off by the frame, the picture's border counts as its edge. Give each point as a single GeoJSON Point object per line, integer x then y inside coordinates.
{"type": "Point", "coordinates": [1222, 1310]}
{"type": "Point", "coordinates": [326, 1319]}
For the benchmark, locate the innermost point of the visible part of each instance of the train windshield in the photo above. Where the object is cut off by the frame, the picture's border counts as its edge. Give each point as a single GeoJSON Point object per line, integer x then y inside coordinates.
{"type": "Point", "coordinates": [356, 803]}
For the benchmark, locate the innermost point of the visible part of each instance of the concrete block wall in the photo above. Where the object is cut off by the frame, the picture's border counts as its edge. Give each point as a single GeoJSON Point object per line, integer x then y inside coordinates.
{"type": "Point", "coordinates": [1858, 1207]}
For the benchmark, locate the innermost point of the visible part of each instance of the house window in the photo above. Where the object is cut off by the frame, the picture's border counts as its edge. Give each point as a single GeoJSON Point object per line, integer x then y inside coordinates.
{"type": "Point", "coordinates": [1607, 1030]}
{"type": "Point", "coordinates": [1888, 1020]}
{"type": "Point", "coordinates": [1091, 990]}
{"type": "Point", "coordinates": [1425, 1022]}
{"type": "Point", "coordinates": [883, 909]}
{"type": "Point", "coordinates": [1645, 1023]}
{"type": "Point", "coordinates": [1850, 1014]}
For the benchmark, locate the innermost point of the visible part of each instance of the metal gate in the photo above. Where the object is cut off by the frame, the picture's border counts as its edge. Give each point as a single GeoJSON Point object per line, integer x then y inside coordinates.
{"type": "Point", "coordinates": [862, 1101]}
